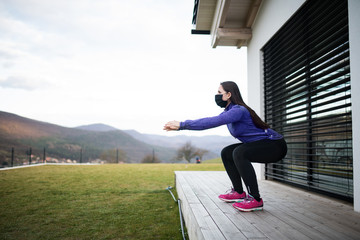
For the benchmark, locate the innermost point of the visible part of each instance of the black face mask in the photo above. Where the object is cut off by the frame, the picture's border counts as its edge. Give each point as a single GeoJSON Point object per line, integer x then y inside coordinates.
{"type": "Point", "coordinates": [218, 99]}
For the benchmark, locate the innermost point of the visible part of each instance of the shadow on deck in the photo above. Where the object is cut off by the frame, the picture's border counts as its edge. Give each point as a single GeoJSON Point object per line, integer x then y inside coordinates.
{"type": "Point", "coordinates": [289, 213]}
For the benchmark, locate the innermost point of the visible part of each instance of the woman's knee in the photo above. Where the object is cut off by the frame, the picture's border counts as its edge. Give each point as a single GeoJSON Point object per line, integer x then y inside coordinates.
{"type": "Point", "coordinates": [239, 152]}
{"type": "Point", "coordinates": [227, 152]}
{"type": "Point", "coordinates": [239, 155]}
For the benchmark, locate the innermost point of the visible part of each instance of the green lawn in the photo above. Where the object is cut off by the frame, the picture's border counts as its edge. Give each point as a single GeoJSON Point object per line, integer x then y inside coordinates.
{"type": "Point", "coordinates": [126, 201]}
{"type": "Point", "coordinates": [215, 160]}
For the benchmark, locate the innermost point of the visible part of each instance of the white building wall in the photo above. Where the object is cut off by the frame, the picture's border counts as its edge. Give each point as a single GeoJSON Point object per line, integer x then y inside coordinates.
{"type": "Point", "coordinates": [272, 15]}
{"type": "Point", "coordinates": [354, 36]}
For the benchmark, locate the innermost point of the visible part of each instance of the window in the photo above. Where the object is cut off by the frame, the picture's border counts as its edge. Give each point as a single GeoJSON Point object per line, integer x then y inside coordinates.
{"type": "Point", "coordinates": [308, 100]}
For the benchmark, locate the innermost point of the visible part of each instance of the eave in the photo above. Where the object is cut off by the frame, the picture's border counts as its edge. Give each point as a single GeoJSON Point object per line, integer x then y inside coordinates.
{"type": "Point", "coordinates": [229, 22]}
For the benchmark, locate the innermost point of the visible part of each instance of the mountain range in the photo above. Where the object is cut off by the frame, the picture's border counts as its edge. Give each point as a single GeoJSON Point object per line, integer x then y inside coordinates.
{"type": "Point", "coordinates": [94, 141]}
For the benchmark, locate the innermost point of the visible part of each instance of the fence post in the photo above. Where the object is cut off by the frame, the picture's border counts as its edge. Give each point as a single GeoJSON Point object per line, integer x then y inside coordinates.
{"type": "Point", "coordinates": [117, 155]}
{"type": "Point", "coordinates": [80, 155]}
{"type": "Point", "coordinates": [30, 153]}
{"type": "Point", "coordinates": [44, 157]}
{"type": "Point", "coordinates": [12, 157]}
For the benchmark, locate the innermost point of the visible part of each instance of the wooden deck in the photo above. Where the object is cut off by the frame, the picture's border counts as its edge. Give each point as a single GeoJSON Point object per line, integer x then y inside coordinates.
{"type": "Point", "coordinates": [289, 213]}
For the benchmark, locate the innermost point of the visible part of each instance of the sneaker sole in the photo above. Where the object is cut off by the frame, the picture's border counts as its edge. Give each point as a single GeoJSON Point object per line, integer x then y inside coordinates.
{"type": "Point", "coordinates": [249, 209]}
{"type": "Point", "coordinates": [231, 200]}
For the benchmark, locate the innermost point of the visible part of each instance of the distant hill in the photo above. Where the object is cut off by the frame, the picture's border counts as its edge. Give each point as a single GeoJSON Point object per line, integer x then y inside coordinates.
{"type": "Point", "coordinates": [212, 143]}
{"type": "Point", "coordinates": [97, 127]}
{"type": "Point", "coordinates": [61, 142]}
{"type": "Point", "coordinates": [93, 141]}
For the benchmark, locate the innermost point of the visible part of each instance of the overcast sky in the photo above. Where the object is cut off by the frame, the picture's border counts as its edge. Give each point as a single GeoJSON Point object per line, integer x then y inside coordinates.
{"type": "Point", "coordinates": [128, 64]}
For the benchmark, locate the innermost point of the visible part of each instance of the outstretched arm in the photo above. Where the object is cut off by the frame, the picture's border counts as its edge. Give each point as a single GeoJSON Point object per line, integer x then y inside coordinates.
{"type": "Point", "coordinates": [233, 115]}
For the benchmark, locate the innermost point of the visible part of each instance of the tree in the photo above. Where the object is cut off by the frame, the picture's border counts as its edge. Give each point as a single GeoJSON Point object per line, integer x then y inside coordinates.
{"type": "Point", "coordinates": [201, 153]}
{"type": "Point", "coordinates": [150, 158]}
{"type": "Point", "coordinates": [113, 155]}
{"type": "Point", "coordinates": [188, 152]}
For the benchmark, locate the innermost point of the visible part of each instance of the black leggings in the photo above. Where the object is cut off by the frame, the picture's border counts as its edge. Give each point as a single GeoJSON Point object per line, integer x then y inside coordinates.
{"type": "Point", "coordinates": [237, 159]}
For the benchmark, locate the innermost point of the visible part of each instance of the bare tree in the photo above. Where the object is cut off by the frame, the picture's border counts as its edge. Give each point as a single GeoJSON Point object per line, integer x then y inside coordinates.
{"type": "Point", "coordinates": [201, 152]}
{"type": "Point", "coordinates": [151, 158]}
{"type": "Point", "coordinates": [113, 156]}
{"type": "Point", "coordinates": [188, 152]}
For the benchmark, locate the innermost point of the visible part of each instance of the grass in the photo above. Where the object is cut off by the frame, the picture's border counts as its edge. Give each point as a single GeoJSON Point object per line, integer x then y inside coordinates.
{"type": "Point", "coordinates": [215, 160]}
{"type": "Point", "coordinates": [127, 201]}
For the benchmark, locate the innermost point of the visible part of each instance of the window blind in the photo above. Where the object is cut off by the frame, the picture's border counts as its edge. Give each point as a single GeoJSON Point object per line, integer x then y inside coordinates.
{"type": "Point", "coordinates": [307, 98]}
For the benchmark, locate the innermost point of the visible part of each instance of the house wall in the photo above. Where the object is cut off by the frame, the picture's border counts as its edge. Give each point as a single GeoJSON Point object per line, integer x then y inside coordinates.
{"type": "Point", "coordinates": [272, 15]}
{"type": "Point", "coordinates": [354, 36]}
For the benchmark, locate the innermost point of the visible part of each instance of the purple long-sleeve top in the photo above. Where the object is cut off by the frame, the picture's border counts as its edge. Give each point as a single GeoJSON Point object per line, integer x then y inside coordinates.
{"type": "Point", "coordinates": [239, 122]}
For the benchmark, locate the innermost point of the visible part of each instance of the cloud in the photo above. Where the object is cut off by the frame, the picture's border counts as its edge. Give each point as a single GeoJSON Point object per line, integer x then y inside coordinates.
{"type": "Point", "coordinates": [18, 82]}
{"type": "Point", "coordinates": [9, 51]}
{"type": "Point", "coordinates": [6, 59]}
{"type": "Point", "coordinates": [108, 55]}
{"type": "Point", "coordinates": [5, 54]}
{"type": "Point", "coordinates": [8, 64]}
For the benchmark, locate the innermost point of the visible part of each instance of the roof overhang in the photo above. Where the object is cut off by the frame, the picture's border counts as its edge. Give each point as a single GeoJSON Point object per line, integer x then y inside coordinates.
{"type": "Point", "coordinates": [229, 22]}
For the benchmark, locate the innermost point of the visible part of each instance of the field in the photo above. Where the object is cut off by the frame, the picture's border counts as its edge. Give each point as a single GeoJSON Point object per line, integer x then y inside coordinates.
{"type": "Point", "coordinates": [113, 201]}
{"type": "Point", "coordinates": [215, 160]}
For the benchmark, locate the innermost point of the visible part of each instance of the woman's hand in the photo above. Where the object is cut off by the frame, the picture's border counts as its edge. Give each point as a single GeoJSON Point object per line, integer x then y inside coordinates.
{"type": "Point", "coordinates": [172, 126]}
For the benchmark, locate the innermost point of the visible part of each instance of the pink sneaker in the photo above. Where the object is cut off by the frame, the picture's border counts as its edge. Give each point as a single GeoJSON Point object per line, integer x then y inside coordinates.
{"type": "Point", "coordinates": [232, 196]}
{"type": "Point", "coordinates": [249, 204]}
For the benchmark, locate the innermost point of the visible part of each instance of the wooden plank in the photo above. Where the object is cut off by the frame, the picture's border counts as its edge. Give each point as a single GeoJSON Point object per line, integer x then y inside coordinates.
{"type": "Point", "coordinates": [325, 231]}
{"type": "Point", "coordinates": [244, 226]}
{"type": "Point", "coordinates": [289, 213]}
{"type": "Point", "coordinates": [225, 225]}
{"type": "Point", "coordinates": [339, 230]}
{"type": "Point", "coordinates": [277, 223]}
{"type": "Point", "coordinates": [329, 212]}
{"type": "Point", "coordinates": [258, 230]}
{"type": "Point", "coordinates": [332, 230]}
{"type": "Point", "coordinates": [252, 13]}
{"type": "Point", "coordinates": [198, 221]}
{"type": "Point", "coordinates": [307, 230]}
{"type": "Point", "coordinates": [234, 33]}
{"type": "Point", "coordinates": [189, 217]}
{"type": "Point", "coordinates": [259, 221]}
{"type": "Point", "coordinates": [224, 12]}
{"type": "Point", "coordinates": [322, 203]}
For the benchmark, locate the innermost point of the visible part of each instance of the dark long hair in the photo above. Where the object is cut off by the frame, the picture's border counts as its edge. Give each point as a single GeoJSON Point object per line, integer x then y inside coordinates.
{"type": "Point", "coordinates": [236, 98]}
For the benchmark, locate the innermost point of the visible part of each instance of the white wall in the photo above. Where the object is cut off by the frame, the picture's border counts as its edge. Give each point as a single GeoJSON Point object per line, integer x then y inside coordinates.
{"type": "Point", "coordinates": [272, 15]}
{"type": "Point", "coordinates": [354, 36]}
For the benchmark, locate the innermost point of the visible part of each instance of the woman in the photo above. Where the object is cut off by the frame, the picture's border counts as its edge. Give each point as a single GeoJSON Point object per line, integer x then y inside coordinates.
{"type": "Point", "coordinates": [259, 144]}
